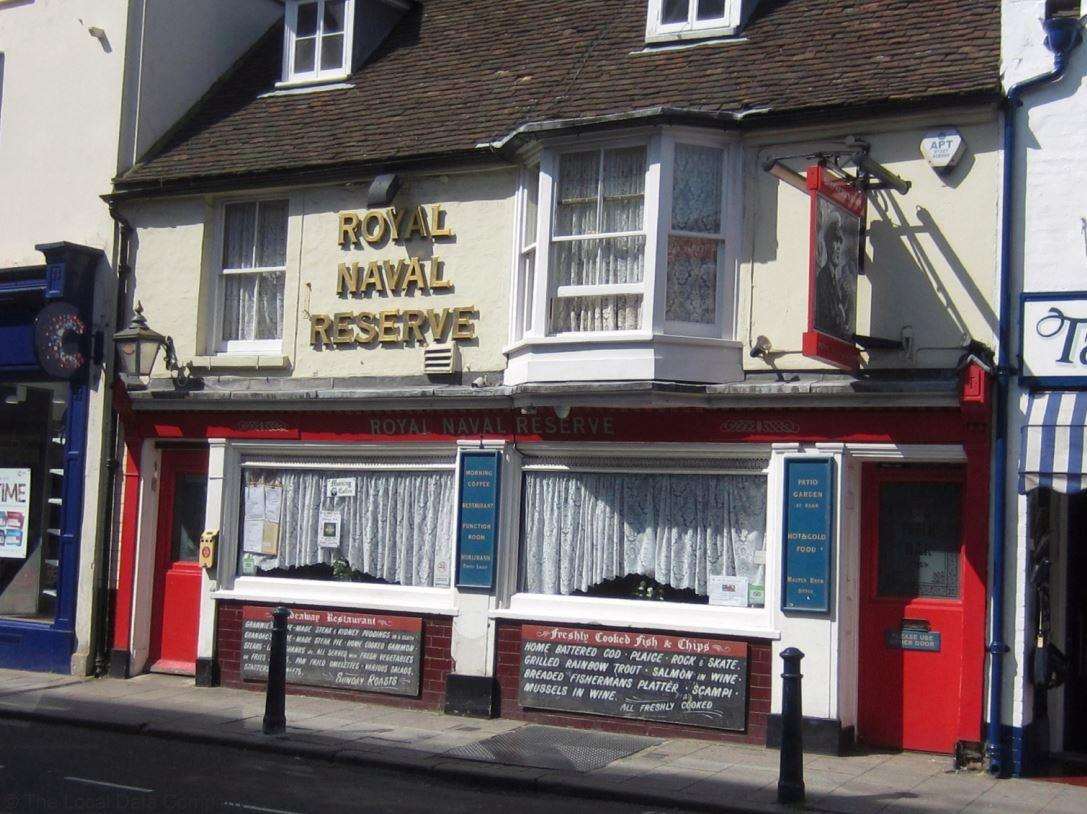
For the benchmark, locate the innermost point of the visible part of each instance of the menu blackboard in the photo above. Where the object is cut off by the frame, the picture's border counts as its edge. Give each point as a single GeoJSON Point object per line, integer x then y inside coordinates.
{"type": "Point", "coordinates": [357, 651]}
{"type": "Point", "coordinates": [626, 674]}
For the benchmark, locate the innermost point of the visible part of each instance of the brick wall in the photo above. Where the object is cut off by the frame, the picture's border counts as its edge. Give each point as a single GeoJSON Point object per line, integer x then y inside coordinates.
{"type": "Point", "coordinates": [508, 668]}
{"type": "Point", "coordinates": [437, 661]}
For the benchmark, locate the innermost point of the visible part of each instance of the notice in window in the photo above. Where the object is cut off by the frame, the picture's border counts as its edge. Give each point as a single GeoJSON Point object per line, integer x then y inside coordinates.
{"type": "Point", "coordinates": [14, 511]}
{"type": "Point", "coordinates": [263, 512]}
{"type": "Point", "coordinates": [328, 529]}
{"type": "Point", "coordinates": [730, 592]}
{"type": "Point", "coordinates": [340, 487]}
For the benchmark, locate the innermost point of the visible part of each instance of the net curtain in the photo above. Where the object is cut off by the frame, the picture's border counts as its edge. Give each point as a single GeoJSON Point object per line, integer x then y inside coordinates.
{"type": "Point", "coordinates": [583, 528]}
{"type": "Point", "coordinates": [393, 528]}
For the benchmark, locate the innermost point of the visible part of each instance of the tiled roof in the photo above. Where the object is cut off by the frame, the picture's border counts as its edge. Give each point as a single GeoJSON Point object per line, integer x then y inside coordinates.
{"type": "Point", "coordinates": [457, 73]}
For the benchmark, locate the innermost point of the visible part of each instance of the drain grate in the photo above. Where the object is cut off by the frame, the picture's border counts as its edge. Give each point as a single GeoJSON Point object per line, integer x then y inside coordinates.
{"type": "Point", "coordinates": [549, 747]}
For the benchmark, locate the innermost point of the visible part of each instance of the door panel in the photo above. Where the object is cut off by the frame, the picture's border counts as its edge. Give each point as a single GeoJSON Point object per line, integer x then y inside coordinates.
{"type": "Point", "coordinates": [914, 609]}
{"type": "Point", "coordinates": [176, 609]}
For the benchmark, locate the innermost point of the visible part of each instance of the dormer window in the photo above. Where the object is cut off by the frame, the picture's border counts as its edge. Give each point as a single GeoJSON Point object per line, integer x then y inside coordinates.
{"type": "Point", "coordinates": [317, 40]}
{"type": "Point", "coordinates": [671, 20]}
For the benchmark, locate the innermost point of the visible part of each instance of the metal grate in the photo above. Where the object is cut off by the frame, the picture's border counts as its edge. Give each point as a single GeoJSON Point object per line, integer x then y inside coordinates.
{"type": "Point", "coordinates": [549, 747]}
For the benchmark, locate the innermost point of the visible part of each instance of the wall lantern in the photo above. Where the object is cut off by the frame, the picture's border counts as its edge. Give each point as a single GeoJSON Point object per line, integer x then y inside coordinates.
{"type": "Point", "coordinates": [138, 347]}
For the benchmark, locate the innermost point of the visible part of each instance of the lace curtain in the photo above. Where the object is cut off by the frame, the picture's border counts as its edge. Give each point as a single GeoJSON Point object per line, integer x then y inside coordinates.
{"type": "Point", "coordinates": [691, 291]}
{"type": "Point", "coordinates": [394, 527]}
{"type": "Point", "coordinates": [254, 237]}
{"type": "Point", "coordinates": [599, 192]}
{"type": "Point", "coordinates": [581, 528]}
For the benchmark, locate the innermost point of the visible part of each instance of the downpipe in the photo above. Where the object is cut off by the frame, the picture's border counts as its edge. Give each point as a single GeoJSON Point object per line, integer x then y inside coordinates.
{"type": "Point", "coordinates": [102, 622]}
{"type": "Point", "coordinates": [1062, 36]}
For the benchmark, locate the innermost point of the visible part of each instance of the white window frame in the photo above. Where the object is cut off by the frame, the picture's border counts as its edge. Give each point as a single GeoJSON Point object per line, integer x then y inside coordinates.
{"type": "Point", "coordinates": [523, 289]}
{"type": "Point", "coordinates": [232, 347]}
{"type": "Point", "coordinates": [534, 326]}
{"type": "Point", "coordinates": [557, 292]}
{"type": "Point", "coordinates": [692, 28]}
{"type": "Point", "coordinates": [233, 585]}
{"type": "Point", "coordinates": [293, 78]}
{"type": "Point", "coordinates": [634, 613]}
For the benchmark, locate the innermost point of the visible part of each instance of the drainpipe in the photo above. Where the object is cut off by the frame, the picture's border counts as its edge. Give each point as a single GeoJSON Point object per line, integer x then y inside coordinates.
{"type": "Point", "coordinates": [1062, 36]}
{"type": "Point", "coordinates": [102, 621]}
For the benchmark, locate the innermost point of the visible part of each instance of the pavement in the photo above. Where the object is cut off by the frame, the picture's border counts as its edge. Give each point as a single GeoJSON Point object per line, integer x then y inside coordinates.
{"type": "Point", "coordinates": [691, 774]}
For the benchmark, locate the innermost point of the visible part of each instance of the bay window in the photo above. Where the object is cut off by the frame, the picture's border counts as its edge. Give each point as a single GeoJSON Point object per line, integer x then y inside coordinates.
{"type": "Point", "coordinates": [252, 276]}
{"type": "Point", "coordinates": [627, 253]}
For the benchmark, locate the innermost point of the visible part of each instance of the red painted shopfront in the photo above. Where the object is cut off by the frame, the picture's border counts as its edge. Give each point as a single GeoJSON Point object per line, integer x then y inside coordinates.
{"type": "Point", "coordinates": [883, 715]}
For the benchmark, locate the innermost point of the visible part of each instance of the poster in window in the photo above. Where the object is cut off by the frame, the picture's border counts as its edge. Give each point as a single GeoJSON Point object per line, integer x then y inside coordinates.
{"type": "Point", "coordinates": [14, 511]}
{"type": "Point", "coordinates": [838, 212]}
{"type": "Point", "coordinates": [328, 531]}
{"type": "Point", "coordinates": [263, 512]}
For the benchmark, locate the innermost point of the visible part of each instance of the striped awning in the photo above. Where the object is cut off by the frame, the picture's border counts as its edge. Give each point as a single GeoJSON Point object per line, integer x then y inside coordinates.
{"type": "Point", "coordinates": [1051, 453]}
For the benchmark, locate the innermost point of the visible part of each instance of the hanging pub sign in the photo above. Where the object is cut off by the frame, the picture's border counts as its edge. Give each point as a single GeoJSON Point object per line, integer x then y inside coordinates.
{"type": "Point", "coordinates": [838, 212]}
{"type": "Point", "coordinates": [808, 532]}
{"type": "Point", "coordinates": [477, 518]}
{"type": "Point", "coordinates": [1054, 339]}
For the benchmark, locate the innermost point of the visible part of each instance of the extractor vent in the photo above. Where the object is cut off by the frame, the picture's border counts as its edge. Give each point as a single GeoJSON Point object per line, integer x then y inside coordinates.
{"type": "Point", "coordinates": [441, 359]}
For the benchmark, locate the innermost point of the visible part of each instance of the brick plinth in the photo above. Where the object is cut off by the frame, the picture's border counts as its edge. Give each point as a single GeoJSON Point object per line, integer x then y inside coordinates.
{"type": "Point", "coordinates": [508, 668]}
{"type": "Point", "coordinates": [437, 661]}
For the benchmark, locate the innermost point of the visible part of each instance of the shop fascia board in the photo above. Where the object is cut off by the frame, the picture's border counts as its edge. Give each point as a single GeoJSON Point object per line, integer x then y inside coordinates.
{"type": "Point", "coordinates": [603, 395]}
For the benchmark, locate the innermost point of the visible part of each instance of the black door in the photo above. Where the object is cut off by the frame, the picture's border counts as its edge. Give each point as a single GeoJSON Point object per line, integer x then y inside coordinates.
{"type": "Point", "coordinates": [1075, 691]}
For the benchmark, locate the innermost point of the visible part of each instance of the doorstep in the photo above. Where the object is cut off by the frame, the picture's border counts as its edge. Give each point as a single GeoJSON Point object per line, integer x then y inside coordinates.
{"type": "Point", "coordinates": [693, 774]}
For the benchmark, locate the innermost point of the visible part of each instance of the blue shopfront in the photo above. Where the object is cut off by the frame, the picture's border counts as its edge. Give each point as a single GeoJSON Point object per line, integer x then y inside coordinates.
{"type": "Point", "coordinates": [48, 351]}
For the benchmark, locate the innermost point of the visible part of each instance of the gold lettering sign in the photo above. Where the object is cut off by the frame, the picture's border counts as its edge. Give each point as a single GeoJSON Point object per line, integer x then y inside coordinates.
{"type": "Point", "coordinates": [373, 226]}
{"type": "Point", "coordinates": [394, 326]}
{"type": "Point", "coordinates": [386, 277]}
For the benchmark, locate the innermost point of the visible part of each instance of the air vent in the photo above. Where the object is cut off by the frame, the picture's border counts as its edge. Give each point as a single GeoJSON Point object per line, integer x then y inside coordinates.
{"type": "Point", "coordinates": [441, 360]}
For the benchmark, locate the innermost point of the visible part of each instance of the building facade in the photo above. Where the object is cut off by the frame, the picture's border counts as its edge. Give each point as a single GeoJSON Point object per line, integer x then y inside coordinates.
{"type": "Point", "coordinates": [1045, 616]}
{"type": "Point", "coordinates": [571, 368]}
{"type": "Point", "coordinates": [79, 99]}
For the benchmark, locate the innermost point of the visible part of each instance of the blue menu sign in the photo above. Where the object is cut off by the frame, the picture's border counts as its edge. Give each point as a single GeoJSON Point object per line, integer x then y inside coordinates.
{"type": "Point", "coordinates": [477, 519]}
{"type": "Point", "coordinates": [808, 534]}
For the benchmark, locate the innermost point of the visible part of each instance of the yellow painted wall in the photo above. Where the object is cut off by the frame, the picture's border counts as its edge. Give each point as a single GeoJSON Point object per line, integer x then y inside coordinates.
{"type": "Point", "coordinates": [931, 259]}
{"type": "Point", "coordinates": [178, 257]}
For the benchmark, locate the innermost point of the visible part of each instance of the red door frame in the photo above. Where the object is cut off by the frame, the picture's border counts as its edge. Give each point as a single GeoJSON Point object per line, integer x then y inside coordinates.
{"type": "Point", "coordinates": [174, 462]}
{"type": "Point", "coordinates": [972, 575]}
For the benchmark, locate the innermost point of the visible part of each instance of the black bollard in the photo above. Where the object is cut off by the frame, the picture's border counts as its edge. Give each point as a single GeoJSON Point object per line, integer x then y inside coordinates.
{"type": "Point", "coordinates": [791, 771]}
{"type": "Point", "coordinates": [275, 702]}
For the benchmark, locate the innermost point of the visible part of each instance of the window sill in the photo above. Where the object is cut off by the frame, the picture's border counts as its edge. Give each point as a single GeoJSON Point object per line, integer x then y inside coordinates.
{"type": "Point", "coordinates": [634, 614]}
{"type": "Point", "coordinates": [239, 361]}
{"type": "Point", "coordinates": [691, 34]}
{"type": "Point", "coordinates": [309, 86]}
{"type": "Point", "coordinates": [433, 601]}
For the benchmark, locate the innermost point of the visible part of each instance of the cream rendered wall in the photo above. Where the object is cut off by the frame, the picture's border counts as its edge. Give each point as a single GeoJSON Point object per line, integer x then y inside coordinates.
{"type": "Point", "coordinates": [58, 149]}
{"type": "Point", "coordinates": [179, 249]}
{"type": "Point", "coordinates": [931, 254]}
{"type": "Point", "coordinates": [58, 123]}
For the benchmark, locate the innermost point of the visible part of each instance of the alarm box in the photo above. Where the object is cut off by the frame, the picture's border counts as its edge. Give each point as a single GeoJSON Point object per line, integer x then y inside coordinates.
{"type": "Point", "coordinates": [209, 543]}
